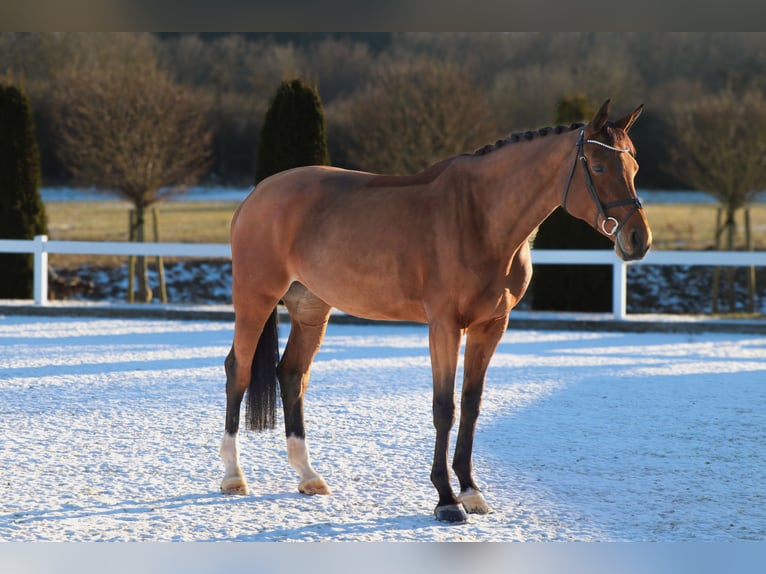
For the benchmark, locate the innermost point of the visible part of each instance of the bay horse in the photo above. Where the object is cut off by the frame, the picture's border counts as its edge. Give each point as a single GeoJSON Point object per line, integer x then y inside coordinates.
{"type": "Point", "coordinates": [448, 246]}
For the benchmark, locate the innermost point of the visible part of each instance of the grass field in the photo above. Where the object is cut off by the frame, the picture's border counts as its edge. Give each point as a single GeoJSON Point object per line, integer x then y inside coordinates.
{"type": "Point", "coordinates": [182, 222]}
{"type": "Point", "coordinates": [674, 226]}
{"type": "Point", "coordinates": [179, 221]}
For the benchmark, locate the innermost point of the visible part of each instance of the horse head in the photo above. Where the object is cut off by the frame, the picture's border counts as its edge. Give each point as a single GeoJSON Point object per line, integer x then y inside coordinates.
{"type": "Point", "coordinates": [602, 192]}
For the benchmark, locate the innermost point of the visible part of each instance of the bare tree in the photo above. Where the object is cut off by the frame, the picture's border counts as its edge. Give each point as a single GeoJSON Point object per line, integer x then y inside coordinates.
{"type": "Point", "coordinates": [411, 114]}
{"type": "Point", "coordinates": [126, 127]}
{"type": "Point", "coordinates": [720, 148]}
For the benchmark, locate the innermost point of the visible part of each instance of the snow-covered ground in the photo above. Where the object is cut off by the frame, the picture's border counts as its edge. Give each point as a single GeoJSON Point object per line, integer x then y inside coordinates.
{"type": "Point", "coordinates": [111, 428]}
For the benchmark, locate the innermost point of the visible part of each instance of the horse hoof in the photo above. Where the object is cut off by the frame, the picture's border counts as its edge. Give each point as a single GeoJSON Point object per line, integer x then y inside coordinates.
{"type": "Point", "coordinates": [314, 486]}
{"type": "Point", "coordinates": [234, 485]}
{"type": "Point", "coordinates": [474, 503]}
{"type": "Point", "coordinates": [451, 513]}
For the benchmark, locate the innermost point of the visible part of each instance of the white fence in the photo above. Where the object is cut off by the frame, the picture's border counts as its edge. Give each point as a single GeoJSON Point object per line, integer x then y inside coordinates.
{"type": "Point", "coordinates": [40, 247]}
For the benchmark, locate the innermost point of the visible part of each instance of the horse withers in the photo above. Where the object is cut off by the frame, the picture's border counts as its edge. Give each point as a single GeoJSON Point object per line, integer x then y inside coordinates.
{"type": "Point", "coordinates": [447, 246]}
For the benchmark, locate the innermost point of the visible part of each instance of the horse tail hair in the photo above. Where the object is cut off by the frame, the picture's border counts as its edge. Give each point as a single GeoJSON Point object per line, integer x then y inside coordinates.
{"type": "Point", "coordinates": [262, 392]}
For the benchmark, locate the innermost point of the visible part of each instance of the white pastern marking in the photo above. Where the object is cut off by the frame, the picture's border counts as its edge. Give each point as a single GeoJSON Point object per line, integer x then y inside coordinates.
{"type": "Point", "coordinates": [298, 456]}
{"type": "Point", "coordinates": [230, 453]}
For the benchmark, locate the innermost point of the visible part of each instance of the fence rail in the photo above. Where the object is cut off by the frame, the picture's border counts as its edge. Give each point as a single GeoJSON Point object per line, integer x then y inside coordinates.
{"type": "Point", "coordinates": [40, 247]}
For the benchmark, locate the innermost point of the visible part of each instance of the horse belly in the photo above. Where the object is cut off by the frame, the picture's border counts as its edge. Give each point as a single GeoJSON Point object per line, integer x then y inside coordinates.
{"type": "Point", "coordinates": [372, 283]}
{"type": "Point", "coordinates": [397, 312]}
{"type": "Point", "coordinates": [363, 296]}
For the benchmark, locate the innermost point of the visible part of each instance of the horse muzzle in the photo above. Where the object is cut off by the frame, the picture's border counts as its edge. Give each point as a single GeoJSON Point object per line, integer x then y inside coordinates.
{"type": "Point", "coordinates": [633, 242]}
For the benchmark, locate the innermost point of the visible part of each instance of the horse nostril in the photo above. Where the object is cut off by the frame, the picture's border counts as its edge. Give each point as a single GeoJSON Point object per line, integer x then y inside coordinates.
{"type": "Point", "coordinates": [636, 240]}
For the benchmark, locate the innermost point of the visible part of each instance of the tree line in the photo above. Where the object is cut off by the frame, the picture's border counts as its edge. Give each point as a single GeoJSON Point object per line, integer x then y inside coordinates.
{"type": "Point", "coordinates": [397, 102]}
{"type": "Point", "coordinates": [144, 114]}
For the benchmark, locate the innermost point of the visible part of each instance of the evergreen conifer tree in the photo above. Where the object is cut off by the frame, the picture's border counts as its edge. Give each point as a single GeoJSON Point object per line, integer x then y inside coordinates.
{"type": "Point", "coordinates": [571, 287]}
{"type": "Point", "coordinates": [22, 213]}
{"type": "Point", "coordinates": [293, 132]}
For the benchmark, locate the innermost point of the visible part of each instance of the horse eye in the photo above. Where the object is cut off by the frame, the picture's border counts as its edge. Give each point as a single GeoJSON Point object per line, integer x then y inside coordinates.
{"type": "Point", "coordinates": [599, 167]}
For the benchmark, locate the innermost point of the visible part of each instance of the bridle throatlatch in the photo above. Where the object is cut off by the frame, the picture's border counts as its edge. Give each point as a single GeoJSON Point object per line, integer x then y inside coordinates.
{"type": "Point", "coordinates": [602, 209]}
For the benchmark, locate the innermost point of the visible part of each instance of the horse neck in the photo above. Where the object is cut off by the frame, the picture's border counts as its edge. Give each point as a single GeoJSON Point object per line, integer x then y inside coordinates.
{"type": "Point", "coordinates": [521, 184]}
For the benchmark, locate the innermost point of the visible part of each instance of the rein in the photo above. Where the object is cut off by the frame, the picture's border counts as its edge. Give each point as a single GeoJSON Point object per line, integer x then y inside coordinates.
{"type": "Point", "coordinates": [634, 201]}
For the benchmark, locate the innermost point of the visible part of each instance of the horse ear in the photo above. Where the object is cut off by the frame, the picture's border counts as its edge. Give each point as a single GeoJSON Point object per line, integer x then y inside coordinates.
{"type": "Point", "coordinates": [628, 120]}
{"type": "Point", "coordinates": [599, 120]}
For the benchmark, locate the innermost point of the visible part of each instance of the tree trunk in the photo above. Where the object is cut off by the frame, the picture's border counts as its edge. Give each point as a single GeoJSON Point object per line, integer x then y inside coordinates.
{"type": "Point", "coordinates": [144, 291]}
{"type": "Point", "coordinates": [717, 270]}
{"type": "Point", "coordinates": [160, 260]}
{"type": "Point", "coordinates": [730, 229]}
{"type": "Point", "coordinates": [751, 270]}
{"type": "Point", "coordinates": [131, 258]}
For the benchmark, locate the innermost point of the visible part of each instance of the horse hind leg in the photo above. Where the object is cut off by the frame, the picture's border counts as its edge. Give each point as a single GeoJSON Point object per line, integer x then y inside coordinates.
{"type": "Point", "coordinates": [249, 365]}
{"type": "Point", "coordinates": [233, 479]}
{"type": "Point", "coordinates": [308, 316]}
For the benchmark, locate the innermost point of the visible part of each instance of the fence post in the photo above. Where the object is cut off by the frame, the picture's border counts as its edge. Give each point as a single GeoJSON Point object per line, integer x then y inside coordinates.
{"type": "Point", "coordinates": [40, 286]}
{"type": "Point", "coordinates": [619, 289]}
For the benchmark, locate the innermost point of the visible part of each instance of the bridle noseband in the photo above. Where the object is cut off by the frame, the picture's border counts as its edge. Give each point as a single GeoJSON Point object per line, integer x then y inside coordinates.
{"type": "Point", "coordinates": [634, 201]}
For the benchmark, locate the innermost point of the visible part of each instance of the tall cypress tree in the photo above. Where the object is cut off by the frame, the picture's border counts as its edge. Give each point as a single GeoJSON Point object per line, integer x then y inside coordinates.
{"type": "Point", "coordinates": [571, 287]}
{"type": "Point", "coordinates": [22, 213]}
{"type": "Point", "coordinates": [293, 132]}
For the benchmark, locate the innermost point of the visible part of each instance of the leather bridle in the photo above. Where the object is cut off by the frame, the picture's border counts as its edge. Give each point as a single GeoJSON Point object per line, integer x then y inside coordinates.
{"type": "Point", "coordinates": [602, 208]}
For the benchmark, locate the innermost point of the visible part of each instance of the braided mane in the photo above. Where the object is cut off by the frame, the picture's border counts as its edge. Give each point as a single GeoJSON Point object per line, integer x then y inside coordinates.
{"type": "Point", "coordinates": [526, 136]}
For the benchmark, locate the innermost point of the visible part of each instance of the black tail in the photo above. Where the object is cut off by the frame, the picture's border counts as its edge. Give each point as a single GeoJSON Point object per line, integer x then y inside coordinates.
{"type": "Point", "coordinates": [262, 392]}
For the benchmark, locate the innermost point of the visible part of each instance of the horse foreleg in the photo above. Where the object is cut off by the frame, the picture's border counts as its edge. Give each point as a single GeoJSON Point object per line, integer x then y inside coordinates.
{"type": "Point", "coordinates": [309, 316]}
{"type": "Point", "coordinates": [481, 342]}
{"type": "Point", "coordinates": [444, 343]}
